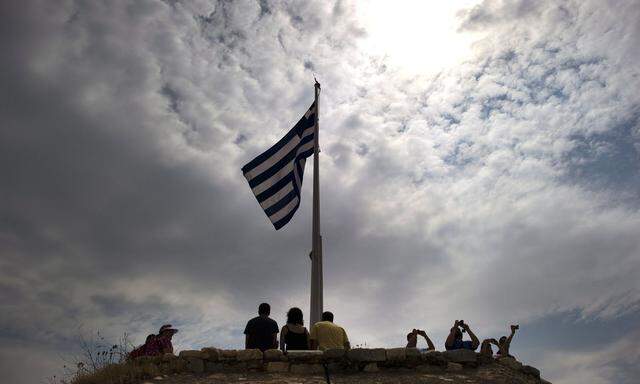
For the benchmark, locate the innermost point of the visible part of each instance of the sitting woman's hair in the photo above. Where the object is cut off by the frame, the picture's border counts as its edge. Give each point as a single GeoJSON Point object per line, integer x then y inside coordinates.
{"type": "Point", "coordinates": [294, 316]}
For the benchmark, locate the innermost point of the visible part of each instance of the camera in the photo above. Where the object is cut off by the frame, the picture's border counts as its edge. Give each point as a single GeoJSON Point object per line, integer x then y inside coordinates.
{"type": "Point", "coordinates": [461, 325]}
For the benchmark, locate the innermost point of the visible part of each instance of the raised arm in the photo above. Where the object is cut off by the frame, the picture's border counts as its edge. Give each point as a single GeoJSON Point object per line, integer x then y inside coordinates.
{"type": "Point", "coordinates": [452, 335]}
{"type": "Point", "coordinates": [504, 348]}
{"type": "Point", "coordinates": [474, 339]}
{"type": "Point", "coordinates": [430, 346]}
{"type": "Point", "coordinates": [513, 332]}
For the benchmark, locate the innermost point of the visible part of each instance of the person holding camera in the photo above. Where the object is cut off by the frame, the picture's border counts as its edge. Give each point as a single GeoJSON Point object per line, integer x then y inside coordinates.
{"type": "Point", "coordinates": [412, 339]}
{"type": "Point", "coordinates": [505, 342]}
{"type": "Point", "coordinates": [503, 345]}
{"type": "Point", "coordinates": [454, 340]}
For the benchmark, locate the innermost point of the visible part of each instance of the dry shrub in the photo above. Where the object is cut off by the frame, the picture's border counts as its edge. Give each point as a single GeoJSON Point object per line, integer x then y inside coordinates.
{"type": "Point", "coordinates": [122, 373]}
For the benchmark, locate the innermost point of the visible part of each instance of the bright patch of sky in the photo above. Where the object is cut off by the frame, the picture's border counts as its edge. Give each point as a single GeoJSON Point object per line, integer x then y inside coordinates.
{"type": "Point", "coordinates": [421, 37]}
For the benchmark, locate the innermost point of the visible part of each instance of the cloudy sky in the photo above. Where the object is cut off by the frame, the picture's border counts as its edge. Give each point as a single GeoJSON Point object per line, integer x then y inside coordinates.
{"type": "Point", "coordinates": [480, 160]}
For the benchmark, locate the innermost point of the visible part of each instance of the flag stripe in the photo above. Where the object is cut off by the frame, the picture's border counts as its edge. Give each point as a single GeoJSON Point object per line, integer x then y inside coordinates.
{"type": "Point", "coordinates": [278, 166]}
{"type": "Point", "coordinates": [277, 207]}
{"type": "Point", "coordinates": [291, 205]}
{"type": "Point", "coordinates": [281, 223]}
{"type": "Point", "coordinates": [266, 203]}
{"type": "Point", "coordinates": [282, 152]}
{"type": "Point", "coordinates": [273, 181]}
{"type": "Point", "coordinates": [262, 194]}
{"type": "Point", "coordinates": [303, 123]}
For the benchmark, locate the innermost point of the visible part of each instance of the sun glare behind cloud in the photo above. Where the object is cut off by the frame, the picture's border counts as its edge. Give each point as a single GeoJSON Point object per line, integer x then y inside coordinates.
{"type": "Point", "coordinates": [416, 36]}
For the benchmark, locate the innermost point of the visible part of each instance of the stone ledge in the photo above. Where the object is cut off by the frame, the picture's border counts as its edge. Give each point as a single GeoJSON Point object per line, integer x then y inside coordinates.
{"type": "Point", "coordinates": [211, 360]}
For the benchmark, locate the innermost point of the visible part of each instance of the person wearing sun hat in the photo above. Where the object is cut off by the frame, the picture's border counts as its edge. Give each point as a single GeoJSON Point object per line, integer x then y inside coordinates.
{"type": "Point", "coordinates": [163, 341]}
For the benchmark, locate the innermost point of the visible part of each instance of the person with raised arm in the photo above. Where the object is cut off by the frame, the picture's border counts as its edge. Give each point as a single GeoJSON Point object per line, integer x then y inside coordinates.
{"type": "Point", "coordinates": [454, 340]}
{"type": "Point", "coordinates": [412, 339]}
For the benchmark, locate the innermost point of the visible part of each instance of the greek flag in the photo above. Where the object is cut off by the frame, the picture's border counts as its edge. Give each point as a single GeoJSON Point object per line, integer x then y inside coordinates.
{"type": "Point", "coordinates": [275, 177]}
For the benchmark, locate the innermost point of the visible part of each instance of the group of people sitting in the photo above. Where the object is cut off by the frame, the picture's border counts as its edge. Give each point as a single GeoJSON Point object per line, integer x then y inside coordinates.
{"type": "Point", "coordinates": [261, 332]}
{"type": "Point", "coordinates": [156, 345]}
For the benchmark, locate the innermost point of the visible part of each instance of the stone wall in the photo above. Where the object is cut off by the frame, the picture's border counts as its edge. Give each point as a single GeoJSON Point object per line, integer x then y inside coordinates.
{"type": "Point", "coordinates": [209, 360]}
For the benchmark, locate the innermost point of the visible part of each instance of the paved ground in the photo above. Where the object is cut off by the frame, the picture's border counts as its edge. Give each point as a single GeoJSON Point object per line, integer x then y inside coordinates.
{"type": "Point", "coordinates": [493, 375]}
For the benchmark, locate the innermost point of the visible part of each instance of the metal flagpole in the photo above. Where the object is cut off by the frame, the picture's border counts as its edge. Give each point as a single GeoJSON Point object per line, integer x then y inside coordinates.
{"type": "Point", "coordinates": [316, 252]}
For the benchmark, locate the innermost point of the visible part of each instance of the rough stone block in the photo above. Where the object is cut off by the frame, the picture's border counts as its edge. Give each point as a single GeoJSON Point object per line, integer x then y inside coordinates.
{"type": "Point", "coordinates": [529, 370]}
{"type": "Point", "coordinates": [196, 354]}
{"type": "Point", "coordinates": [461, 356]}
{"type": "Point", "coordinates": [255, 365]}
{"type": "Point", "coordinates": [304, 356]}
{"type": "Point", "coordinates": [396, 354]}
{"type": "Point", "coordinates": [273, 355]}
{"type": "Point", "coordinates": [333, 354]}
{"type": "Point", "coordinates": [228, 354]}
{"type": "Point", "coordinates": [210, 354]}
{"type": "Point", "coordinates": [178, 365]}
{"type": "Point", "coordinates": [367, 355]}
{"type": "Point", "coordinates": [195, 365]}
{"type": "Point", "coordinates": [307, 368]}
{"type": "Point", "coordinates": [371, 367]}
{"type": "Point", "coordinates": [213, 367]}
{"type": "Point", "coordinates": [277, 366]}
{"type": "Point", "coordinates": [249, 354]}
{"type": "Point", "coordinates": [434, 358]}
{"type": "Point", "coordinates": [454, 367]}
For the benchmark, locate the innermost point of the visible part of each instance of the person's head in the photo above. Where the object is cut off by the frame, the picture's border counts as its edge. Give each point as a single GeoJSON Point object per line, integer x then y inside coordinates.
{"type": "Point", "coordinates": [411, 336]}
{"type": "Point", "coordinates": [167, 332]}
{"type": "Point", "coordinates": [264, 309]}
{"type": "Point", "coordinates": [327, 316]}
{"type": "Point", "coordinates": [502, 339]}
{"type": "Point", "coordinates": [294, 316]}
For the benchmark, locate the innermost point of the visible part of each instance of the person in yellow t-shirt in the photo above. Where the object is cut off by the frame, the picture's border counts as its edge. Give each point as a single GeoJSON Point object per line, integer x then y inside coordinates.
{"type": "Point", "coordinates": [326, 335]}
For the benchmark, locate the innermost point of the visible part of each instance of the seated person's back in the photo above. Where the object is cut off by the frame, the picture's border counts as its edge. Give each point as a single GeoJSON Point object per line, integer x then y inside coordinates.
{"type": "Point", "coordinates": [261, 331]}
{"type": "Point", "coordinates": [326, 335]}
{"type": "Point", "coordinates": [294, 336]}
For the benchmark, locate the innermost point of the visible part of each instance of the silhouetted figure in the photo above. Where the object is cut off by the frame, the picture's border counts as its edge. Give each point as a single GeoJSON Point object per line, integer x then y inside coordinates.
{"type": "Point", "coordinates": [412, 339]}
{"type": "Point", "coordinates": [156, 345]}
{"type": "Point", "coordinates": [294, 336]}
{"type": "Point", "coordinates": [505, 342]}
{"type": "Point", "coordinates": [163, 340]}
{"type": "Point", "coordinates": [503, 345]}
{"type": "Point", "coordinates": [261, 332]}
{"type": "Point", "coordinates": [454, 340]}
{"type": "Point", "coordinates": [327, 335]}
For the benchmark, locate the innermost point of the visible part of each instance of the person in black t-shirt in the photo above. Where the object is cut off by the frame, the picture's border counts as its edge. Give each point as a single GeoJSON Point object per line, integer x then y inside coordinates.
{"type": "Point", "coordinates": [261, 332]}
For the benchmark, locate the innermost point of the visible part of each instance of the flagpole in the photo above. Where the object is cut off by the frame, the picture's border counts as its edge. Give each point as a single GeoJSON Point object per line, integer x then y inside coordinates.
{"type": "Point", "coordinates": [316, 261]}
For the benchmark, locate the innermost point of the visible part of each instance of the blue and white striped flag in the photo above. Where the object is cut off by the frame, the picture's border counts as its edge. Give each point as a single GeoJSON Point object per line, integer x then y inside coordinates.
{"type": "Point", "coordinates": [275, 177]}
